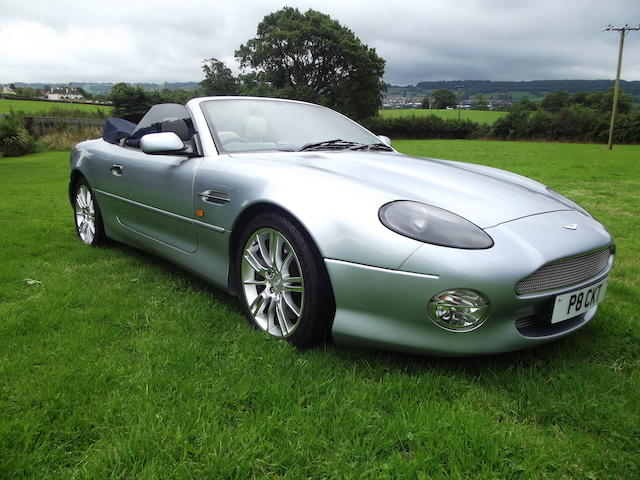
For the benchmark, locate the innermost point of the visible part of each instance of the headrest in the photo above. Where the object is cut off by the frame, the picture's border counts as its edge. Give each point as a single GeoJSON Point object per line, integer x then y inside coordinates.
{"type": "Point", "coordinates": [255, 129]}
{"type": "Point", "coordinates": [177, 126]}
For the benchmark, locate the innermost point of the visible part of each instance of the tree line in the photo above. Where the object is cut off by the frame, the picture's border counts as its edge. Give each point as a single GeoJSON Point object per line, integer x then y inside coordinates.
{"type": "Point", "coordinates": [581, 117]}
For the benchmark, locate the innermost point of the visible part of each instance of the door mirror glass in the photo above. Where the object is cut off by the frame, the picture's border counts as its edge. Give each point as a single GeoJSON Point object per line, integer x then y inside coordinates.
{"type": "Point", "coordinates": [167, 143]}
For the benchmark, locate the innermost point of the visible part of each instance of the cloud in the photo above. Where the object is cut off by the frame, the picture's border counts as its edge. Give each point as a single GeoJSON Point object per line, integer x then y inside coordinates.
{"type": "Point", "coordinates": [71, 40]}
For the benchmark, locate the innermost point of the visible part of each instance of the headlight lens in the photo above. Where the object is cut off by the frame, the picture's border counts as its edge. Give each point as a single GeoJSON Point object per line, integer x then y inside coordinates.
{"type": "Point", "coordinates": [458, 310]}
{"type": "Point", "coordinates": [430, 224]}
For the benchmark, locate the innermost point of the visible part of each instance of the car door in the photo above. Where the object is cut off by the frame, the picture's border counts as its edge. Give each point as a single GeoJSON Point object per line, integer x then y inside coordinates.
{"type": "Point", "coordinates": [155, 192]}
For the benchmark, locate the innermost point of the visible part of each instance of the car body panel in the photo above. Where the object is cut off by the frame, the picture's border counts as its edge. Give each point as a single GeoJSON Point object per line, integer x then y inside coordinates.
{"type": "Point", "coordinates": [186, 210]}
{"type": "Point", "coordinates": [521, 247]}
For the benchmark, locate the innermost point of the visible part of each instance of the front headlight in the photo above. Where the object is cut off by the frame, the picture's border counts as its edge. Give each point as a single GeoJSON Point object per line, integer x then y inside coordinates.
{"type": "Point", "coordinates": [434, 225]}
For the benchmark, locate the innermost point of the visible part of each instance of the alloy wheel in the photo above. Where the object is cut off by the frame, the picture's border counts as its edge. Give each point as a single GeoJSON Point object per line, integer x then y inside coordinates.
{"type": "Point", "coordinates": [273, 282]}
{"type": "Point", "coordinates": [85, 215]}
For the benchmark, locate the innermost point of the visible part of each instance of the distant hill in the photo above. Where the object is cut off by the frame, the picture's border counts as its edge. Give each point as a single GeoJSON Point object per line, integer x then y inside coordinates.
{"type": "Point", "coordinates": [535, 89]}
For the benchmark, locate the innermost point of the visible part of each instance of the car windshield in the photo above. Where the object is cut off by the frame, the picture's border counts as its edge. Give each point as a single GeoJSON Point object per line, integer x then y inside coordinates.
{"type": "Point", "coordinates": [244, 125]}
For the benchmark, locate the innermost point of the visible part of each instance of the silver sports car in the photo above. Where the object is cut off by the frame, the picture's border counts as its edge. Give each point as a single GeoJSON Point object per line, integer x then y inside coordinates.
{"type": "Point", "coordinates": [323, 230]}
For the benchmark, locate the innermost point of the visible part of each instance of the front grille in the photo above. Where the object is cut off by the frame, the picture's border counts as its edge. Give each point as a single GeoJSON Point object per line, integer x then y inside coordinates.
{"type": "Point", "coordinates": [564, 272]}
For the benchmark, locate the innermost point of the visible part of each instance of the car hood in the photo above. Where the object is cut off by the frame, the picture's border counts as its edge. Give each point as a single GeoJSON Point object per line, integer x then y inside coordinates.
{"type": "Point", "coordinates": [483, 195]}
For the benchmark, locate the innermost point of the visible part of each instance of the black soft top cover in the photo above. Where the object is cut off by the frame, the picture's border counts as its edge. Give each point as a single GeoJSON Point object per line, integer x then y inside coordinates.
{"type": "Point", "coordinates": [117, 128]}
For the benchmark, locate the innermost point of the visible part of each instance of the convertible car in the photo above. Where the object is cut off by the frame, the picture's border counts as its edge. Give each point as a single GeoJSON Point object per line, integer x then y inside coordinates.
{"type": "Point", "coordinates": [323, 230]}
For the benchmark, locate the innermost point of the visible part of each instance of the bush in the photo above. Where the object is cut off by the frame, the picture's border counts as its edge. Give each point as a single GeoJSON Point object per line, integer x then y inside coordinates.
{"type": "Point", "coordinates": [65, 137]}
{"type": "Point", "coordinates": [430, 126]}
{"type": "Point", "coordinates": [15, 140]}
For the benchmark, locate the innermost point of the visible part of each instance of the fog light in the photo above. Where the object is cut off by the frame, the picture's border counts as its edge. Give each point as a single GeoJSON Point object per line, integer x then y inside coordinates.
{"type": "Point", "coordinates": [458, 310]}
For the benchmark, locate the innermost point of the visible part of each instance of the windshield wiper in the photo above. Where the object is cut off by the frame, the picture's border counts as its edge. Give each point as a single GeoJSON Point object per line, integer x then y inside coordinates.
{"type": "Point", "coordinates": [372, 146]}
{"type": "Point", "coordinates": [337, 143]}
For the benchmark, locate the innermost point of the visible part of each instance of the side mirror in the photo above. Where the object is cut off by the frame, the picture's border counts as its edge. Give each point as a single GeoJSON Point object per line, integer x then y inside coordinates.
{"type": "Point", "coordinates": [384, 139]}
{"type": "Point", "coordinates": [165, 143]}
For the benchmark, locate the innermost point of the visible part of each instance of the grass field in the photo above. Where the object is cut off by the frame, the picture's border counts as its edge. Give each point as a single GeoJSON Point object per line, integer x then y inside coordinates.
{"type": "Point", "coordinates": [37, 107]}
{"type": "Point", "coordinates": [479, 116]}
{"type": "Point", "coordinates": [115, 364]}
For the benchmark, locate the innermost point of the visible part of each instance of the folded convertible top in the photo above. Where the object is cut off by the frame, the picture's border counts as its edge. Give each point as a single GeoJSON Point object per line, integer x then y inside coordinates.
{"type": "Point", "coordinates": [117, 128]}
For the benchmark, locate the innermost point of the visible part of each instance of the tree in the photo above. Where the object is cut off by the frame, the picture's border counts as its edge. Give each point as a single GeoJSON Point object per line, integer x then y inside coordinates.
{"type": "Point", "coordinates": [178, 95]}
{"type": "Point", "coordinates": [218, 78]}
{"type": "Point", "coordinates": [602, 102]}
{"type": "Point", "coordinates": [131, 102]}
{"type": "Point", "coordinates": [524, 104]}
{"type": "Point", "coordinates": [312, 57]}
{"type": "Point", "coordinates": [556, 101]}
{"type": "Point", "coordinates": [444, 98]}
{"type": "Point", "coordinates": [480, 102]}
{"type": "Point", "coordinates": [427, 102]}
{"type": "Point", "coordinates": [254, 85]}
{"type": "Point", "coordinates": [84, 93]}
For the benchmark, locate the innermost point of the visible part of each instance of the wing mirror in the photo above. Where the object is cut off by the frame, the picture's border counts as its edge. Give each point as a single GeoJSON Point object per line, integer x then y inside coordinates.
{"type": "Point", "coordinates": [384, 139]}
{"type": "Point", "coordinates": [164, 143]}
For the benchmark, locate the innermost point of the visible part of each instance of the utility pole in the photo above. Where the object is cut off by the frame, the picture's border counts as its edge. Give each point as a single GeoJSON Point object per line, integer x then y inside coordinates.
{"type": "Point", "coordinates": [616, 91]}
{"type": "Point", "coordinates": [460, 89]}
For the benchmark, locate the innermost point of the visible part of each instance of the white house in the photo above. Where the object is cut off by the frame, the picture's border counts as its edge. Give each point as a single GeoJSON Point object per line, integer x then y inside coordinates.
{"type": "Point", "coordinates": [63, 93]}
{"type": "Point", "coordinates": [6, 90]}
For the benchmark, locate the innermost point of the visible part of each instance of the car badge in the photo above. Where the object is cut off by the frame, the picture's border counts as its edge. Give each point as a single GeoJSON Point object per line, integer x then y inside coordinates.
{"type": "Point", "coordinates": [573, 226]}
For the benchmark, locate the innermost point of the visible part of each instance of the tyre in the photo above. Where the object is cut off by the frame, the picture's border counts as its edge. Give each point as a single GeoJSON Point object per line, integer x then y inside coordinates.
{"type": "Point", "coordinates": [283, 284]}
{"type": "Point", "coordinates": [88, 219]}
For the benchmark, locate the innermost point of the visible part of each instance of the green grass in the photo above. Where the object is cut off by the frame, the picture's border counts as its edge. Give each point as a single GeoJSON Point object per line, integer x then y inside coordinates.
{"type": "Point", "coordinates": [119, 365]}
{"type": "Point", "coordinates": [480, 116]}
{"type": "Point", "coordinates": [38, 107]}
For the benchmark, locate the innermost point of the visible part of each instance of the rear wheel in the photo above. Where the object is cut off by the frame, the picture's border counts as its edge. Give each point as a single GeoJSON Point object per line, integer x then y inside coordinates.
{"type": "Point", "coordinates": [282, 282]}
{"type": "Point", "coordinates": [88, 219]}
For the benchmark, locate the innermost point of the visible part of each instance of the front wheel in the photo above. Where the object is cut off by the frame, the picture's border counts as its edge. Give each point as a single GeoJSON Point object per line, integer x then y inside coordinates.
{"type": "Point", "coordinates": [88, 218]}
{"type": "Point", "coordinates": [284, 287]}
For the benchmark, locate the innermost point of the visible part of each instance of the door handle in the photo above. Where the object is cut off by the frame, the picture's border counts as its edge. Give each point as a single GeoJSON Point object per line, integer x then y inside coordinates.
{"type": "Point", "coordinates": [116, 170]}
{"type": "Point", "coordinates": [213, 196]}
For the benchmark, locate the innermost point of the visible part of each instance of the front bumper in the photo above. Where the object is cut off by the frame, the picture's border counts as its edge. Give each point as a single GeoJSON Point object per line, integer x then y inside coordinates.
{"type": "Point", "coordinates": [387, 309]}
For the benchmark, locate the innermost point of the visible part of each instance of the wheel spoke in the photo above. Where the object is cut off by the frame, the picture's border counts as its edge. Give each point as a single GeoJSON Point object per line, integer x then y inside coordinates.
{"type": "Point", "coordinates": [275, 247]}
{"type": "Point", "coordinates": [293, 284]}
{"type": "Point", "coordinates": [286, 262]}
{"type": "Point", "coordinates": [257, 305]}
{"type": "Point", "coordinates": [89, 234]}
{"type": "Point", "coordinates": [291, 304]}
{"type": "Point", "coordinates": [270, 314]}
{"type": "Point", "coordinates": [263, 249]}
{"type": "Point", "coordinates": [254, 263]}
{"type": "Point", "coordinates": [282, 319]}
{"type": "Point", "coordinates": [254, 282]}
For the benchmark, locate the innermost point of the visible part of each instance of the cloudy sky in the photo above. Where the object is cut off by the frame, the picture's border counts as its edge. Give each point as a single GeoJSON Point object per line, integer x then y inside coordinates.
{"type": "Point", "coordinates": [156, 41]}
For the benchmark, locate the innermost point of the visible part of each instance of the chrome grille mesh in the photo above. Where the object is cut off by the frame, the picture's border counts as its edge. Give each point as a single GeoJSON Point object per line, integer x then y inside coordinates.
{"type": "Point", "coordinates": [564, 272]}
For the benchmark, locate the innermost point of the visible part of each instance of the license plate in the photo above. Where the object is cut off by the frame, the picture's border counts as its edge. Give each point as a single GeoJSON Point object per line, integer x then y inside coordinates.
{"type": "Point", "coordinates": [575, 303]}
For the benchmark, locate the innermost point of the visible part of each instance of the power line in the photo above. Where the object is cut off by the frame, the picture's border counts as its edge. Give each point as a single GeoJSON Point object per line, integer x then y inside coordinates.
{"type": "Point", "coordinates": [623, 31]}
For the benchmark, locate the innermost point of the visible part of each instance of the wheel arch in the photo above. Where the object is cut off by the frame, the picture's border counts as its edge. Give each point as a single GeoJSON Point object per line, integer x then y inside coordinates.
{"type": "Point", "coordinates": [74, 177]}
